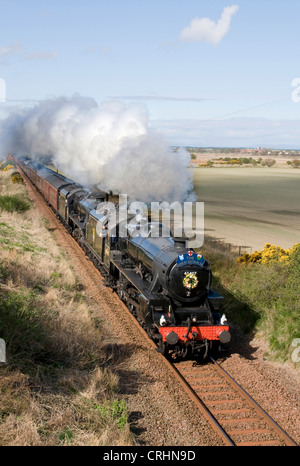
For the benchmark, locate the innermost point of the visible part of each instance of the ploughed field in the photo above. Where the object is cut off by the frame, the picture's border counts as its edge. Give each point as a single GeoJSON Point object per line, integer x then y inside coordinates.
{"type": "Point", "coordinates": [250, 206]}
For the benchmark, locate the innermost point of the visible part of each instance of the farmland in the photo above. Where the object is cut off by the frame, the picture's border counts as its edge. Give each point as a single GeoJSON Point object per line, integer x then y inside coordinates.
{"type": "Point", "coordinates": [250, 207]}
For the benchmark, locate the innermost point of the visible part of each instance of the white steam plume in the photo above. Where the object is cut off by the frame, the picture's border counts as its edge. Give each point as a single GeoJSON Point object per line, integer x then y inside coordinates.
{"type": "Point", "coordinates": [111, 146]}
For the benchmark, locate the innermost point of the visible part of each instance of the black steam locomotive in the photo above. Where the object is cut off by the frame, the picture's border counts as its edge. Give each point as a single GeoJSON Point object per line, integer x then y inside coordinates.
{"type": "Point", "coordinates": [165, 285]}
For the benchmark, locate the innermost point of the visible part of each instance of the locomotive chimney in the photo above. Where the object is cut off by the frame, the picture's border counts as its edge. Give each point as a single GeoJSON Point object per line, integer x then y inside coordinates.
{"type": "Point", "coordinates": [180, 242]}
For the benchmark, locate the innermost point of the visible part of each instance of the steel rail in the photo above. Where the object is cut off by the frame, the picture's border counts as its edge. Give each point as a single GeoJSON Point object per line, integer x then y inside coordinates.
{"type": "Point", "coordinates": [201, 405]}
{"type": "Point", "coordinates": [267, 418]}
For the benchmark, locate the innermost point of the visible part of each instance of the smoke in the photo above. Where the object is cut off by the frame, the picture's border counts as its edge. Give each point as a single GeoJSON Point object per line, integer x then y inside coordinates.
{"type": "Point", "coordinates": [111, 146]}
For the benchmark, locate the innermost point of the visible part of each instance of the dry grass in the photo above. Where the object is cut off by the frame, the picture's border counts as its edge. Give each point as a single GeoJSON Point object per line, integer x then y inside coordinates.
{"type": "Point", "coordinates": [56, 387]}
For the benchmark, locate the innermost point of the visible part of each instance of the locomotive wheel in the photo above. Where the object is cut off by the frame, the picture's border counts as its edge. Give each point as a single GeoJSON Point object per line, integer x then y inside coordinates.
{"type": "Point", "coordinates": [120, 294]}
{"type": "Point", "coordinates": [152, 332]}
{"type": "Point", "coordinates": [163, 348]}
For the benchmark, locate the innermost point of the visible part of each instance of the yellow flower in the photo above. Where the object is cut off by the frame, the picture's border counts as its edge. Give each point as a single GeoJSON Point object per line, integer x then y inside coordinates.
{"type": "Point", "coordinates": [269, 254]}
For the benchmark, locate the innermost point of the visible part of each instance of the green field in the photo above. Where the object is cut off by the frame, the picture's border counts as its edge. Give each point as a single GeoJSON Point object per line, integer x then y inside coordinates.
{"type": "Point", "coordinates": [250, 206]}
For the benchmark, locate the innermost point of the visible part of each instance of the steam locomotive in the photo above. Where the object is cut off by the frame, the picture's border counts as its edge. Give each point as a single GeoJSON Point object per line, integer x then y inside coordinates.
{"type": "Point", "coordinates": [165, 285]}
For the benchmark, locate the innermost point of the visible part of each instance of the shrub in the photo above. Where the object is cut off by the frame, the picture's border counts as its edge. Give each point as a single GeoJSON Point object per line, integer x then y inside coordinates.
{"type": "Point", "coordinates": [295, 163]}
{"type": "Point", "coordinates": [8, 167]}
{"type": "Point", "coordinates": [269, 254]}
{"type": "Point", "coordinates": [16, 177]}
{"type": "Point", "coordinates": [270, 162]}
{"type": "Point", "coordinates": [271, 285]}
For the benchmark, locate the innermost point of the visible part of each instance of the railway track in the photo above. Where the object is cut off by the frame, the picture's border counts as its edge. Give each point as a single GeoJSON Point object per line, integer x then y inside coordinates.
{"type": "Point", "coordinates": [231, 412]}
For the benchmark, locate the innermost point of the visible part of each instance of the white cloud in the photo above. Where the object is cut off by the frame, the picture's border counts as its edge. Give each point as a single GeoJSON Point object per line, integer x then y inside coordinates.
{"type": "Point", "coordinates": [41, 55]}
{"type": "Point", "coordinates": [16, 47]}
{"type": "Point", "coordinates": [204, 29]}
{"type": "Point", "coordinates": [10, 49]}
{"type": "Point", "coordinates": [160, 98]}
{"type": "Point", "coordinates": [233, 132]}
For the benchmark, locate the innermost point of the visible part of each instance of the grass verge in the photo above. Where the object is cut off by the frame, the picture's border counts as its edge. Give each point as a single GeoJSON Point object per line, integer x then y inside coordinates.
{"type": "Point", "coordinates": [262, 298]}
{"type": "Point", "coordinates": [56, 388]}
{"type": "Point", "coordinates": [13, 204]}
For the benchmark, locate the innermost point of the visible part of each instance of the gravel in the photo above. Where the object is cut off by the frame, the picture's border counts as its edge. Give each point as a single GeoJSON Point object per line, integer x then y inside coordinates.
{"type": "Point", "coordinates": [274, 386]}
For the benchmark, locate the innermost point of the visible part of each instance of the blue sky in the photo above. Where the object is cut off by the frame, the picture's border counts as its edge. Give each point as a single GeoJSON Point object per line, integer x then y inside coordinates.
{"type": "Point", "coordinates": [231, 87]}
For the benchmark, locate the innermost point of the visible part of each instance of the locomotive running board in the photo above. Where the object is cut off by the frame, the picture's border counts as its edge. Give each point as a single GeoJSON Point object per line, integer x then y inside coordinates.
{"type": "Point", "coordinates": [134, 279]}
{"type": "Point", "coordinates": [137, 281]}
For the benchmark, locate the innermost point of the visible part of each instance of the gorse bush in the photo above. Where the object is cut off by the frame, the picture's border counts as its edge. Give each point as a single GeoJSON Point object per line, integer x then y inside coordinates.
{"type": "Point", "coordinates": [16, 177]}
{"type": "Point", "coordinates": [270, 254]}
{"type": "Point", "coordinates": [7, 165]}
{"type": "Point", "coordinates": [262, 294]}
{"type": "Point", "coordinates": [270, 279]}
